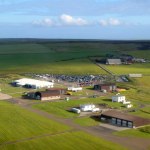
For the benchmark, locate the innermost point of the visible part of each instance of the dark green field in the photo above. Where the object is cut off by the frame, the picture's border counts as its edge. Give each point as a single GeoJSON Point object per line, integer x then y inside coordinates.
{"type": "Point", "coordinates": [66, 57]}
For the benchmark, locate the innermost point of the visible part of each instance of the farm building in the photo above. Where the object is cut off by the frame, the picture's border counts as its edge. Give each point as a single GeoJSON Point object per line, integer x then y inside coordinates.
{"type": "Point", "coordinates": [118, 98]}
{"type": "Point", "coordinates": [32, 83]}
{"type": "Point", "coordinates": [113, 62]}
{"type": "Point", "coordinates": [43, 95]}
{"type": "Point", "coordinates": [107, 87]}
{"type": "Point", "coordinates": [122, 119]}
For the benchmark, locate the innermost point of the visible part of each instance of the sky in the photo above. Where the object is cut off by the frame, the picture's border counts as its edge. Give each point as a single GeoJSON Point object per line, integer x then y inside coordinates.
{"type": "Point", "coordinates": [75, 19]}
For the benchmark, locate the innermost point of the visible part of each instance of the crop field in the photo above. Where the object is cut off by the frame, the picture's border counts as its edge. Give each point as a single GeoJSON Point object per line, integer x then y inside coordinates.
{"type": "Point", "coordinates": [17, 123]}
{"type": "Point", "coordinates": [127, 69]}
{"type": "Point", "coordinates": [66, 141]}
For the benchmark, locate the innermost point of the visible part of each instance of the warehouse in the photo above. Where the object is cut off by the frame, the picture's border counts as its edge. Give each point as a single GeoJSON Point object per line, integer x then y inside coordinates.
{"type": "Point", "coordinates": [32, 83]}
{"type": "Point", "coordinates": [108, 87]}
{"type": "Point", "coordinates": [122, 119]}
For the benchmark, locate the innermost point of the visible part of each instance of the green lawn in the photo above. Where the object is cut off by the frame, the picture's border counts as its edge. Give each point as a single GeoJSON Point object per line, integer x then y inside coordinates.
{"type": "Point", "coordinates": [66, 141]}
{"type": "Point", "coordinates": [86, 121]}
{"type": "Point", "coordinates": [17, 123]}
{"type": "Point", "coordinates": [133, 133]}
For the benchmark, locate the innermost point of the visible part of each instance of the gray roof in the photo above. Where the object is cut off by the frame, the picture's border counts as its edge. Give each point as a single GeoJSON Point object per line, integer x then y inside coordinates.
{"type": "Point", "coordinates": [113, 61]}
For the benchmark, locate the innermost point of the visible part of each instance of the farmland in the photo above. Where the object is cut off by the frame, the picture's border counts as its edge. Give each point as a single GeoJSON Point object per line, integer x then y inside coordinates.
{"type": "Point", "coordinates": [21, 129]}
{"type": "Point", "coordinates": [42, 125]}
{"type": "Point", "coordinates": [64, 56]}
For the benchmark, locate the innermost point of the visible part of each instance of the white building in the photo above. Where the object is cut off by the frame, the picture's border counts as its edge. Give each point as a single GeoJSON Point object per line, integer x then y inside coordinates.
{"type": "Point", "coordinates": [74, 89]}
{"type": "Point", "coordinates": [32, 83]}
{"type": "Point", "coordinates": [87, 107]}
{"type": "Point", "coordinates": [118, 98]}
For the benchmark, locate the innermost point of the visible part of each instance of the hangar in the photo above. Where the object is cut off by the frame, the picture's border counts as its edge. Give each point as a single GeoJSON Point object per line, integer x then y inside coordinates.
{"type": "Point", "coordinates": [122, 119]}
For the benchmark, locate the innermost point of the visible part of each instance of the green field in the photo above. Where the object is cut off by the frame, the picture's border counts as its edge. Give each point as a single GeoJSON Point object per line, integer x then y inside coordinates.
{"type": "Point", "coordinates": [17, 123]}
{"type": "Point", "coordinates": [130, 69]}
{"type": "Point", "coordinates": [134, 133]}
{"type": "Point", "coordinates": [86, 121]}
{"type": "Point", "coordinates": [21, 129]}
{"type": "Point", "coordinates": [66, 141]}
{"type": "Point", "coordinates": [61, 108]}
{"type": "Point", "coordinates": [64, 57]}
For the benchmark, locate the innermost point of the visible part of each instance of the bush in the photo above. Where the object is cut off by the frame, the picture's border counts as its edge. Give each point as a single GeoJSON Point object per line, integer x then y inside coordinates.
{"type": "Point", "coordinates": [145, 129]}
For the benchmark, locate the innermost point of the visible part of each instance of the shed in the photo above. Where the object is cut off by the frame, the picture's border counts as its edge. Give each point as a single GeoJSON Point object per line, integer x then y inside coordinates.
{"type": "Point", "coordinates": [113, 62]}
{"type": "Point", "coordinates": [123, 119]}
{"type": "Point", "coordinates": [108, 87]}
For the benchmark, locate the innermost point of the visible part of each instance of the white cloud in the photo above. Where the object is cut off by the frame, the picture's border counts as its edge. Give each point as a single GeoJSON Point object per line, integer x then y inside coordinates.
{"type": "Point", "coordinates": [69, 20]}
{"type": "Point", "coordinates": [110, 21]}
{"type": "Point", "coordinates": [44, 22]}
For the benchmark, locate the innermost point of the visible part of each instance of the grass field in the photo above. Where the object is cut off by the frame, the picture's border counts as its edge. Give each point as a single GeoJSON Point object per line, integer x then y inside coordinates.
{"type": "Point", "coordinates": [31, 131]}
{"type": "Point", "coordinates": [127, 69]}
{"type": "Point", "coordinates": [62, 57]}
{"type": "Point", "coordinates": [133, 133]}
{"type": "Point", "coordinates": [17, 123]}
{"type": "Point", "coordinates": [61, 108]}
{"type": "Point", "coordinates": [86, 121]}
{"type": "Point", "coordinates": [66, 141]}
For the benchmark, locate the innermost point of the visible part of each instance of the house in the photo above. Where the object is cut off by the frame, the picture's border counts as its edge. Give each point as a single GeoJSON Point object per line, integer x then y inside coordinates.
{"type": "Point", "coordinates": [122, 119]}
{"type": "Point", "coordinates": [32, 83]}
{"type": "Point", "coordinates": [118, 98]}
{"type": "Point", "coordinates": [113, 62]}
{"type": "Point", "coordinates": [105, 87]}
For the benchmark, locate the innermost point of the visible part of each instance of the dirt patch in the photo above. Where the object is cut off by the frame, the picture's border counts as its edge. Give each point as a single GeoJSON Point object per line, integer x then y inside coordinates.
{"type": "Point", "coordinates": [4, 96]}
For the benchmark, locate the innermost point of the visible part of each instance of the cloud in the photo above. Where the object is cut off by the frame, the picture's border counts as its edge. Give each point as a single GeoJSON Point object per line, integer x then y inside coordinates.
{"type": "Point", "coordinates": [45, 22]}
{"type": "Point", "coordinates": [69, 20]}
{"type": "Point", "coordinates": [110, 22]}
{"type": "Point", "coordinates": [62, 20]}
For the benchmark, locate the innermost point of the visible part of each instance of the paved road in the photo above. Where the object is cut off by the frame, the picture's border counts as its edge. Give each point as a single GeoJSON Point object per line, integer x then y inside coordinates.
{"type": "Point", "coordinates": [99, 131]}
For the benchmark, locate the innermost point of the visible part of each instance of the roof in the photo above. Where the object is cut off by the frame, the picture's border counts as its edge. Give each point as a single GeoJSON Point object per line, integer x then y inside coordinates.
{"type": "Point", "coordinates": [113, 61]}
{"type": "Point", "coordinates": [106, 84]}
{"type": "Point", "coordinates": [48, 93]}
{"type": "Point", "coordinates": [40, 83]}
{"type": "Point", "coordinates": [119, 95]}
{"type": "Point", "coordinates": [137, 121]}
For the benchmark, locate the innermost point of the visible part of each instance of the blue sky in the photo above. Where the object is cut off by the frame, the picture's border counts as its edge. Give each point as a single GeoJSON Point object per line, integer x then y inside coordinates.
{"type": "Point", "coordinates": [75, 19]}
